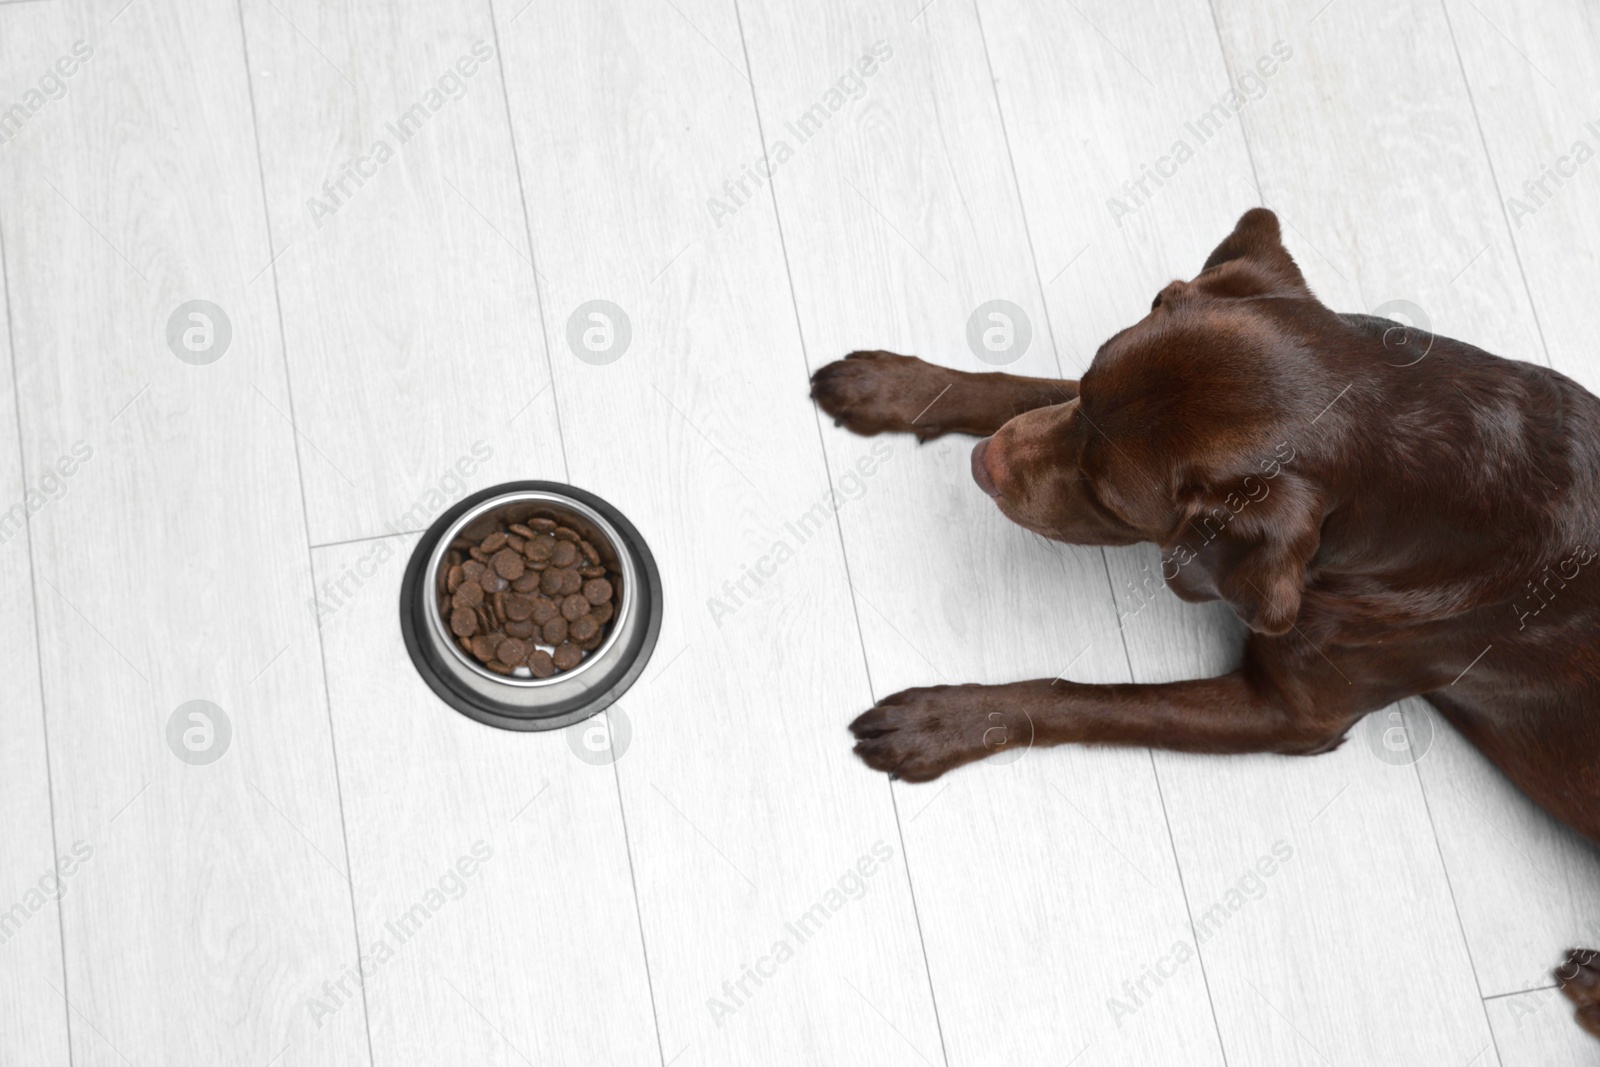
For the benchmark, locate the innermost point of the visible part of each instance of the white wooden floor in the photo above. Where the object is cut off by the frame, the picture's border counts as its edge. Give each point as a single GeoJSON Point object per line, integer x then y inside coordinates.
{"type": "Point", "coordinates": [366, 877]}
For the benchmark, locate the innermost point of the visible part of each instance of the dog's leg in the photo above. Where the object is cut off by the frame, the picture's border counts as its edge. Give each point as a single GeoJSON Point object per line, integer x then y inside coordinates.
{"type": "Point", "coordinates": [1579, 976]}
{"type": "Point", "coordinates": [880, 392]}
{"type": "Point", "coordinates": [918, 734]}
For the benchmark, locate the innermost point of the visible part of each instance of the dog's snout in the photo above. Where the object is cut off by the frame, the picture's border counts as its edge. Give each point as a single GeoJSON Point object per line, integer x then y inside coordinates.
{"type": "Point", "coordinates": [980, 468]}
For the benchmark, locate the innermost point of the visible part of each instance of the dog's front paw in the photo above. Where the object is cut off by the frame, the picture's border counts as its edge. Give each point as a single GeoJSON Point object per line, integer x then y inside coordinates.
{"type": "Point", "coordinates": [918, 734]}
{"type": "Point", "coordinates": [1579, 976]}
{"type": "Point", "coordinates": [879, 392]}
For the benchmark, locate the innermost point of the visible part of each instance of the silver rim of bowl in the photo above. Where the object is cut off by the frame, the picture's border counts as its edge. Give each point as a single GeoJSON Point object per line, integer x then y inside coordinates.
{"type": "Point", "coordinates": [619, 549]}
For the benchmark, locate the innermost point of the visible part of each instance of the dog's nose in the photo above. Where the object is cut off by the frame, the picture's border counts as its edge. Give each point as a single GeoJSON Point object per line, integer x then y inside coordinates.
{"type": "Point", "coordinates": [980, 468]}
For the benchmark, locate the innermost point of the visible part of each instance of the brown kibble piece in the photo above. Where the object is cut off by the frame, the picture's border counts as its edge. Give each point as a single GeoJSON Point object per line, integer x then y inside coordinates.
{"type": "Point", "coordinates": [574, 606]}
{"type": "Point", "coordinates": [565, 554]}
{"type": "Point", "coordinates": [550, 582]}
{"type": "Point", "coordinates": [470, 595]}
{"type": "Point", "coordinates": [528, 583]}
{"type": "Point", "coordinates": [521, 531]}
{"type": "Point", "coordinates": [452, 558]}
{"type": "Point", "coordinates": [541, 664]}
{"type": "Point", "coordinates": [518, 607]}
{"type": "Point", "coordinates": [516, 544]}
{"type": "Point", "coordinates": [472, 570]}
{"type": "Point", "coordinates": [454, 578]}
{"type": "Point", "coordinates": [555, 631]}
{"type": "Point", "coordinates": [493, 583]}
{"type": "Point", "coordinates": [464, 623]}
{"type": "Point", "coordinates": [523, 628]}
{"type": "Point", "coordinates": [570, 582]}
{"type": "Point", "coordinates": [484, 645]}
{"type": "Point", "coordinates": [592, 572]}
{"type": "Point", "coordinates": [540, 547]}
{"type": "Point", "coordinates": [567, 533]}
{"type": "Point", "coordinates": [597, 591]}
{"type": "Point", "coordinates": [582, 628]}
{"type": "Point", "coordinates": [544, 609]}
{"type": "Point", "coordinates": [478, 554]}
{"type": "Point", "coordinates": [542, 524]}
{"type": "Point", "coordinates": [493, 543]}
{"type": "Point", "coordinates": [498, 667]}
{"type": "Point", "coordinates": [592, 643]}
{"type": "Point", "coordinates": [602, 613]}
{"type": "Point", "coordinates": [567, 656]}
{"type": "Point", "coordinates": [508, 564]}
{"type": "Point", "coordinates": [589, 552]}
{"type": "Point", "coordinates": [512, 651]}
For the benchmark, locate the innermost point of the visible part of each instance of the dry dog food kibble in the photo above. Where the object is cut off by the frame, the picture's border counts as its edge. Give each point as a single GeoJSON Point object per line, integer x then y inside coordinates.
{"type": "Point", "coordinates": [529, 599]}
{"type": "Point", "coordinates": [508, 565]}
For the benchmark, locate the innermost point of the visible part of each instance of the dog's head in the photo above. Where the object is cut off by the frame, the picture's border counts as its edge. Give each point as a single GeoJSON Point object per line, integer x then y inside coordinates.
{"type": "Point", "coordinates": [1184, 433]}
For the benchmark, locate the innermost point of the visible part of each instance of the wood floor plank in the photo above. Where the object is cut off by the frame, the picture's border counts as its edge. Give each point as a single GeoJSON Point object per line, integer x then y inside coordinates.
{"type": "Point", "coordinates": [33, 874]}
{"type": "Point", "coordinates": [777, 916]}
{"type": "Point", "coordinates": [410, 315]}
{"type": "Point", "coordinates": [1133, 165]}
{"type": "Point", "coordinates": [512, 844]}
{"type": "Point", "coordinates": [174, 567]}
{"type": "Point", "coordinates": [1391, 198]}
{"type": "Point", "coordinates": [1528, 79]}
{"type": "Point", "coordinates": [1038, 896]}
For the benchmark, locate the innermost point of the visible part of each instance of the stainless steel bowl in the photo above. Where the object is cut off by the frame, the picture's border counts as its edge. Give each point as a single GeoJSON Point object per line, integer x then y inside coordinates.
{"type": "Point", "coordinates": [524, 702]}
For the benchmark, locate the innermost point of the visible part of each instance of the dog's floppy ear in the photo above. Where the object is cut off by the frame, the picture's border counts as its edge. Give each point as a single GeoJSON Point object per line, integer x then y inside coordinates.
{"type": "Point", "coordinates": [1260, 263]}
{"type": "Point", "coordinates": [1250, 547]}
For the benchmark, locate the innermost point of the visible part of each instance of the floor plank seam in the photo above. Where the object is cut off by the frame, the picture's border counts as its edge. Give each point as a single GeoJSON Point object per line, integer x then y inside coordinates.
{"type": "Point", "coordinates": [566, 473]}
{"type": "Point", "coordinates": [1105, 562]}
{"type": "Point", "coordinates": [1494, 178]}
{"type": "Point", "coordinates": [1522, 992]}
{"type": "Point", "coordinates": [1461, 925]}
{"type": "Point", "coordinates": [533, 256]}
{"type": "Point", "coordinates": [838, 525]}
{"type": "Point", "coordinates": [305, 520]}
{"type": "Point", "coordinates": [38, 631]}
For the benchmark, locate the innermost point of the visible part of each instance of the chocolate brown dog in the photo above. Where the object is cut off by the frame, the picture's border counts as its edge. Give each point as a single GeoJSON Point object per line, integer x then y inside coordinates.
{"type": "Point", "coordinates": [1392, 513]}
